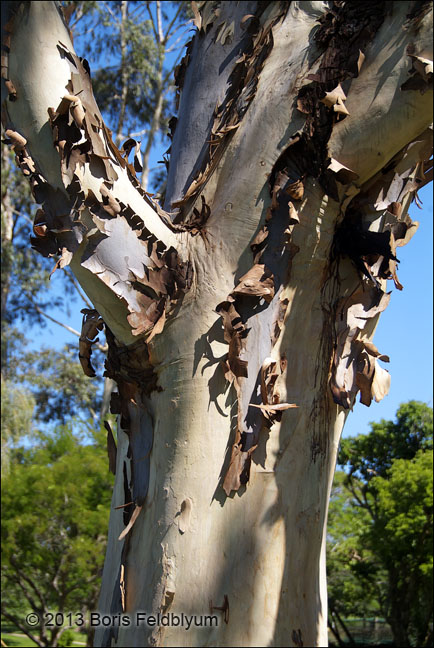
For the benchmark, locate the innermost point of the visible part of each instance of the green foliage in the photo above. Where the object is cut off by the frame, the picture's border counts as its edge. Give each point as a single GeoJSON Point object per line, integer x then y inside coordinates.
{"type": "Point", "coordinates": [372, 454]}
{"type": "Point", "coordinates": [56, 502]}
{"type": "Point", "coordinates": [25, 275]}
{"type": "Point", "coordinates": [348, 576]}
{"type": "Point", "coordinates": [405, 506]}
{"type": "Point", "coordinates": [25, 296]}
{"type": "Point", "coordinates": [402, 537]}
{"type": "Point", "coordinates": [60, 389]}
{"type": "Point", "coordinates": [66, 639]}
{"type": "Point", "coordinates": [380, 542]}
{"type": "Point", "coordinates": [17, 406]}
{"type": "Point", "coordinates": [140, 65]}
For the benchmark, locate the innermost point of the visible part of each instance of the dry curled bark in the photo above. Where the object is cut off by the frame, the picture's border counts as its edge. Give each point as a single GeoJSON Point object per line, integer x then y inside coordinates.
{"type": "Point", "coordinates": [239, 320]}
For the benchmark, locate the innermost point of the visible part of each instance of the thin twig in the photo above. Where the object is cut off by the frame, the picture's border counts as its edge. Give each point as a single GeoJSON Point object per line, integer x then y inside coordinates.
{"type": "Point", "coordinates": [77, 287]}
{"type": "Point", "coordinates": [106, 5]}
{"type": "Point", "coordinates": [170, 25]}
{"type": "Point", "coordinates": [152, 21]}
{"type": "Point", "coordinates": [65, 326]}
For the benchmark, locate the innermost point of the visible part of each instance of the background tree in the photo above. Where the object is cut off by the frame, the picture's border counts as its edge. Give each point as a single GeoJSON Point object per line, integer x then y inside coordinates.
{"type": "Point", "coordinates": [351, 588]}
{"type": "Point", "coordinates": [27, 301]}
{"type": "Point", "coordinates": [387, 547]}
{"type": "Point", "coordinates": [17, 407]}
{"type": "Point", "coordinates": [56, 501]}
{"type": "Point", "coordinates": [140, 44]}
{"type": "Point", "coordinates": [318, 200]}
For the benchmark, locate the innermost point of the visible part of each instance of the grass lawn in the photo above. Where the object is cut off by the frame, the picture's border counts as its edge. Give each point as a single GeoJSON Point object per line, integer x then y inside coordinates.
{"type": "Point", "coordinates": [11, 640]}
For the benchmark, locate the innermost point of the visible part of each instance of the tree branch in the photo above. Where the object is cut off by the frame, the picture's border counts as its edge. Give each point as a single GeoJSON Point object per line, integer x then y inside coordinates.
{"type": "Point", "coordinates": [77, 287]}
{"type": "Point", "coordinates": [114, 188]}
{"type": "Point", "coordinates": [159, 25]}
{"type": "Point", "coordinates": [26, 594]}
{"type": "Point", "coordinates": [52, 319]}
{"type": "Point", "coordinates": [151, 135]}
{"type": "Point", "coordinates": [113, 15]}
{"type": "Point", "coordinates": [168, 35]}
{"type": "Point", "coordinates": [124, 73]}
{"type": "Point", "coordinates": [16, 621]}
{"type": "Point", "coordinates": [29, 581]}
{"type": "Point", "coordinates": [344, 627]}
{"type": "Point", "coordinates": [363, 504]}
{"type": "Point", "coordinates": [101, 347]}
{"type": "Point", "coordinates": [151, 17]}
{"type": "Point", "coordinates": [55, 579]}
{"type": "Point", "coordinates": [334, 628]}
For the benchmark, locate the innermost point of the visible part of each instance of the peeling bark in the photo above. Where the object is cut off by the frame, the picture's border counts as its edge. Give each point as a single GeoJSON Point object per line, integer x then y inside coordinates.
{"type": "Point", "coordinates": [93, 208]}
{"type": "Point", "coordinates": [240, 320]}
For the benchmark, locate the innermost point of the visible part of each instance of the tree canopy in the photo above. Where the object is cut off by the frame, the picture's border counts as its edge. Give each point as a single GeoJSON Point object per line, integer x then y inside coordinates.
{"type": "Point", "coordinates": [380, 550]}
{"type": "Point", "coordinates": [56, 502]}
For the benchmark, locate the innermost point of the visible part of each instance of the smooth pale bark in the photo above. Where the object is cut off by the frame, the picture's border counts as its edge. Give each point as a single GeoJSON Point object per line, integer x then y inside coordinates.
{"type": "Point", "coordinates": [260, 546]}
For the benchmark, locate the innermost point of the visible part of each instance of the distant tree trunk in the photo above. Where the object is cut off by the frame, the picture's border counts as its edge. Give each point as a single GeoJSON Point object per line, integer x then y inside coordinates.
{"type": "Point", "coordinates": [302, 136]}
{"type": "Point", "coordinates": [6, 233]}
{"type": "Point", "coordinates": [336, 618]}
{"type": "Point", "coordinates": [398, 612]}
{"type": "Point", "coordinates": [124, 73]}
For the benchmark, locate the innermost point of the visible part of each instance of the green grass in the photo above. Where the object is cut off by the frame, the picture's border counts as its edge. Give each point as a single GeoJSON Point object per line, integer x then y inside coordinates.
{"type": "Point", "coordinates": [12, 641]}
{"type": "Point", "coordinates": [9, 633]}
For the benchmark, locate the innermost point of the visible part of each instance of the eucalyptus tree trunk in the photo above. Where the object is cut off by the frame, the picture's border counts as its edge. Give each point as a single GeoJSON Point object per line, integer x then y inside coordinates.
{"type": "Point", "coordinates": [240, 319]}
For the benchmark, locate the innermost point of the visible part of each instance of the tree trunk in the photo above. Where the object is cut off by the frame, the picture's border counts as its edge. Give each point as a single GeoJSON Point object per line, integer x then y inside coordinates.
{"type": "Point", "coordinates": [124, 73]}
{"type": "Point", "coordinates": [398, 614]}
{"type": "Point", "coordinates": [6, 233]}
{"type": "Point", "coordinates": [240, 328]}
{"type": "Point", "coordinates": [338, 619]}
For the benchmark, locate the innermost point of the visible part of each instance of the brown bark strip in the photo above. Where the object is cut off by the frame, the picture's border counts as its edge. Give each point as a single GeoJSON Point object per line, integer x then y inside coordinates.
{"type": "Point", "coordinates": [344, 33]}
{"type": "Point", "coordinates": [92, 323]}
{"type": "Point", "coordinates": [235, 369]}
{"type": "Point", "coordinates": [130, 367]}
{"type": "Point", "coordinates": [421, 73]}
{"type": "Point", "coordinates": [285, 190]}
{"type": "Point", "coordinates": [382, 200]}
{"type": "Point", "coordinates": [111, 448]}
{"type": "Point", "coordinates": [354, 369]}
{"type": "Point", "coordinates": [130, 524]}
{"type": "Point", "coordinates": [81, 138]}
